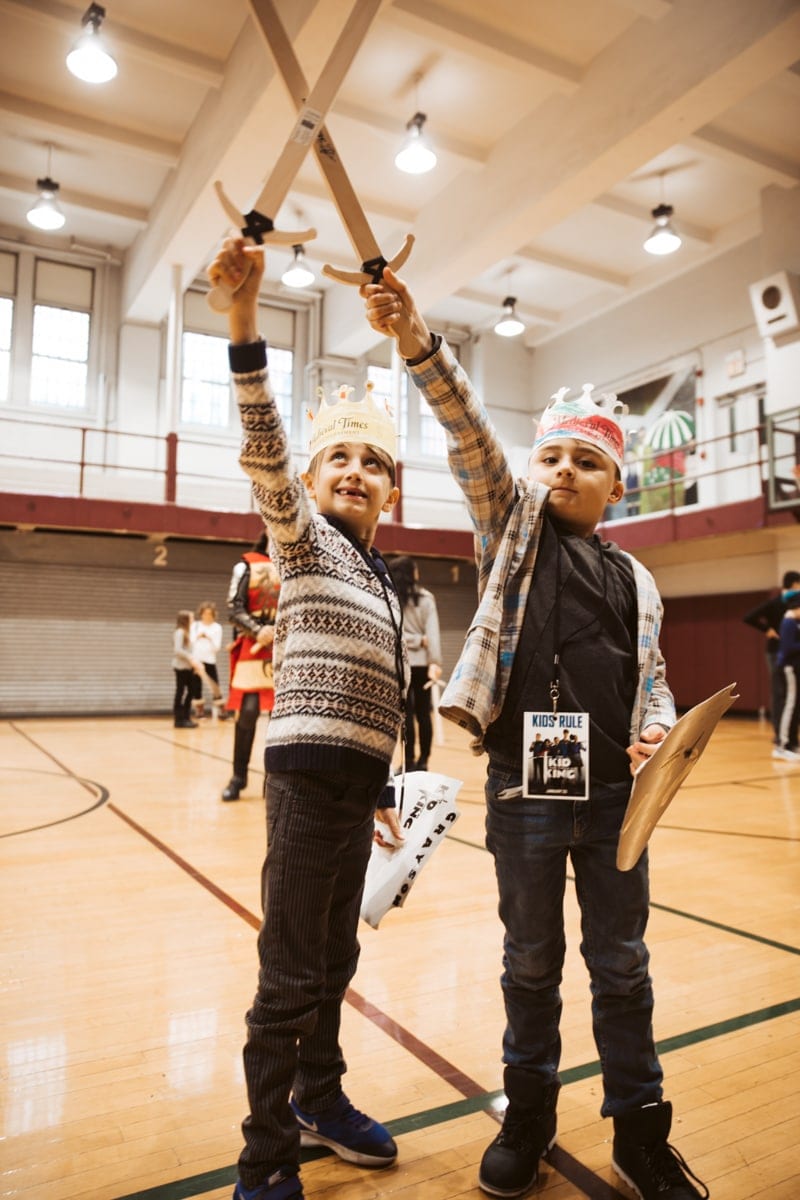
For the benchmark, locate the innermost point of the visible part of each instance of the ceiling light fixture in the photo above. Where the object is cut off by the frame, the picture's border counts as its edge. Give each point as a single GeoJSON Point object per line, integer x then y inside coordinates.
{"type": "Point", "coordinates": [88, 59]}
{"type": "Point", "coordinates": [509, 324]}
{"type": "Point", "coordinates": [298, 274]}
{"type": "Point", "coordinates": [47, 213]}
{"type": "Point", "coordinates": [663, 239]}
{"type": "Point", "coordinates": [416, 156]}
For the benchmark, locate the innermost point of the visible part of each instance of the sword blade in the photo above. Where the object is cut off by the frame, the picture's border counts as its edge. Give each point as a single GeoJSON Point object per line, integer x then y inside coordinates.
{"type": "Point", "coordinates": [311, 107]}
{"type": "Point", "coordinates": [344, 197]}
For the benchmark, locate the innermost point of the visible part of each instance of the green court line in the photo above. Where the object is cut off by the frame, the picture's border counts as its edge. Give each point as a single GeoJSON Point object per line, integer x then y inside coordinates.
{"type": "Point", "coordinates": [209, 1181]}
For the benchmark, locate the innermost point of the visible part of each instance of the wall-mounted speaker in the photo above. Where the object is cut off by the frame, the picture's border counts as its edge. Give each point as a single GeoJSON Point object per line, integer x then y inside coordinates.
{"type": "Point", "coordinates": [776, 304]}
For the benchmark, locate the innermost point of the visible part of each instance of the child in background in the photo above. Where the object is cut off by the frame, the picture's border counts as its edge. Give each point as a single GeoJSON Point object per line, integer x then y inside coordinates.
{"type": "Point", "coordinates": [206, 635]}
{"type": "Point", "coordinates": [423, 647]}
{"type": "Point", "coordinates": [185, 665]}
{"type": "Point", "coordinates": [340, 679]}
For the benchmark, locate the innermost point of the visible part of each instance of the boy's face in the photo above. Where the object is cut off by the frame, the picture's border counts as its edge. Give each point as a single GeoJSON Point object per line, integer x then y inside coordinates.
{"type": "Point", "coordinates": [582, 481]}
{"type": "Point", "coordinates": [352, 483]}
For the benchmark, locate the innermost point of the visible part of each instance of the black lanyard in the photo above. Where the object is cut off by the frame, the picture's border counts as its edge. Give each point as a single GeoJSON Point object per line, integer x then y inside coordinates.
{"type": "Point", "coordinates": [555, 690]}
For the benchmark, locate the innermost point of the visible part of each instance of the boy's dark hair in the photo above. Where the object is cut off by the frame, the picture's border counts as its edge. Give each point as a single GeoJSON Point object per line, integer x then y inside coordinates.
{"type": "Point", "coordinates": [789, 578]}
{"type": "Point", "coordinates": [381, 454]}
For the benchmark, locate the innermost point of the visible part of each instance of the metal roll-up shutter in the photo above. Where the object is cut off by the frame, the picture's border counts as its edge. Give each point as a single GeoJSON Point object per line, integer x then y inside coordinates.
{"type": "Point", "coordinates": [95, 637]}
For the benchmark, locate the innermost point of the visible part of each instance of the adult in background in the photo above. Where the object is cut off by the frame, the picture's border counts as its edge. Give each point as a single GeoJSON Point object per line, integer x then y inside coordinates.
{"type": "Point", "coordinates": [206, 638]}
{"type": "Point", "coordinates": [767, 618]}
{"type": "Point", "coordinates": [423, 646]}
{"type": "Point", "coordinates": [252, 604]}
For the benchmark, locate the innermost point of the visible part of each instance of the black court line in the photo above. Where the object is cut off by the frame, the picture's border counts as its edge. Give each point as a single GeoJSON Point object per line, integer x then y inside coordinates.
{"type": "Point", "coordinates": [678, 912]}
{"type": "Point", "coordinates": [94, 789]}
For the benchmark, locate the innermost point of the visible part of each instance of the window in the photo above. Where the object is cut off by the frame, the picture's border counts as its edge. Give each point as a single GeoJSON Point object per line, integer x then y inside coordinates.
{"type": "Point", "coordinates": [281, 370]}
{"type": "Point", "coordinates": [61, 327]}
{"type": "Point", "coordinates": [60, 357]}
{"type": "Point", "coordinates": [6, 320]}
{"type": "Point", "coordinates": [205, 395]}
{"type": "Point", "coordinates": [381, 379]}
{"type": "Point", "coordinates": [432, 441]}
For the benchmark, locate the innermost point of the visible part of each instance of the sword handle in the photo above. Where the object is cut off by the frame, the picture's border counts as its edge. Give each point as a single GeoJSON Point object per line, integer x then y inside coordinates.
{"type": "Point", "coordinates": [256, 229]}
{"type": "Point", "coordinates": [372, 271]}
{"type": "Point", "coordinates": [220, 297]}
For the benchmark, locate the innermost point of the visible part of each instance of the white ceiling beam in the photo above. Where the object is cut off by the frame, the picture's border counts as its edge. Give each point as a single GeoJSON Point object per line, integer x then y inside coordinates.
{"type": "Point", "coordinates": [654, 10]}
{"type": "Point", "coordinates": [529, 312]}
{"type": "Point", "coordinates": [44, 119]}
{"type": "Point", "coordinates": [479, 40]}
{"type": "Point", "coordinates": [19, 185]}
{"type": "Point", "coordinates": [236, 137]}
{"type": "Point", "coordinates": [626, 208]}
{"type": "Point", "coordinates": [655, 275]}
{"type": "Point", "coordinates": [168, 56]}
{"type": "Point", "coordinates": [310, 189]}
{"type": "Point", "coordinates": [574, 266]}
{"type": "Point", "coordinates": [729, 148]}
{"type": "Point", "coordinates": [641, 95]}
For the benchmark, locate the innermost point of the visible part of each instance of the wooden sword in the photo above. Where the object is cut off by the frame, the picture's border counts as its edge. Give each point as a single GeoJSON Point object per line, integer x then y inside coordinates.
{"type": "Point", "coordinates": [258, 226]}
{"type": "Point", "coordinates": [344, 197]}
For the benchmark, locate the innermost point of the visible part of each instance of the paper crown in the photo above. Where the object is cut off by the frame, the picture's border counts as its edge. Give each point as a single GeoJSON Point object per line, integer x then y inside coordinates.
{"type": "Point", "coordinates": [345, 420]}
{"type": "Point", "coordinates": [586, 418]}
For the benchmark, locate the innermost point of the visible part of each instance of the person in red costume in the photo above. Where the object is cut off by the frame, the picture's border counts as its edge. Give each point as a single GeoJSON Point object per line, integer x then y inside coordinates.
{"type": "Point", "coordinates": [252, 604]}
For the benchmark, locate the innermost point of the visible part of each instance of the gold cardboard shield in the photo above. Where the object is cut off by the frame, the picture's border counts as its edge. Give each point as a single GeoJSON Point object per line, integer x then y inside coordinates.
{"type": "Point", "coordinates": [657, 780]}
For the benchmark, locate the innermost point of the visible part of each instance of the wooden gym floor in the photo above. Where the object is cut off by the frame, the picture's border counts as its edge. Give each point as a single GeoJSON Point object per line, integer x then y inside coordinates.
{"type": "Point", "coordinates": [130, 898]}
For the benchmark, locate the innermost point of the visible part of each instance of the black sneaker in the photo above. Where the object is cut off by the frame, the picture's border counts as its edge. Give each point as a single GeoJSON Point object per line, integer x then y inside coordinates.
{"type": "Point", "coordinates": [233, 790]}
{"type": "Point", "coordinates": [643, 1157]}
{"type": "Point", "coordinates": [510, 1165]}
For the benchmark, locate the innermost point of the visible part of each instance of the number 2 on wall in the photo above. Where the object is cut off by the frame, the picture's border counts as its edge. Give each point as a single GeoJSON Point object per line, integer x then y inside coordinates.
{"type": "Point", "coordinates": [160, 556]}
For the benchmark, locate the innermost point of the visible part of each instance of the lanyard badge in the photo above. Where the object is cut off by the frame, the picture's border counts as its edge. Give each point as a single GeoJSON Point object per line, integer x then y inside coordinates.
{"type": "Point", "coordinates": [555, 756]}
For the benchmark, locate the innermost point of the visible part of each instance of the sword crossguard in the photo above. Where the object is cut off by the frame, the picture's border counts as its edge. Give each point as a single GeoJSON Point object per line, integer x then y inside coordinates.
{"type": "Point", "coordinates": [256, 229]}
{"type": "Point", "coordinates": [372, 269]}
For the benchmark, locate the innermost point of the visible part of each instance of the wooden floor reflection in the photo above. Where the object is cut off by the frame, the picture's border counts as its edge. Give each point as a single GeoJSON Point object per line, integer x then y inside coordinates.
{"type": "Point", "coordinates": [130, 896]}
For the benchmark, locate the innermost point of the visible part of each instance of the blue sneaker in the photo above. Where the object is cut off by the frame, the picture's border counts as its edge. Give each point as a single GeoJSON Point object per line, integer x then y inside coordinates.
{"type": "Point", "coordinates": [284, 1184]}
{"type": "Point", "coordinates": [353, 1136]}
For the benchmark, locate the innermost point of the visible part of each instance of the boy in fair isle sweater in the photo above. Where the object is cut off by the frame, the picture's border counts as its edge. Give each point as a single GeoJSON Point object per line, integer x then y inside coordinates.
{"type": "Point", "coordinates": [340, 681]}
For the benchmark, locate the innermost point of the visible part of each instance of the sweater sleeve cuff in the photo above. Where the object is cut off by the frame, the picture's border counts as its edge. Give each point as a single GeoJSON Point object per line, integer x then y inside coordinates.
{"type": "Point", "coordinates": [244, 359]}
{"type": "Point", "coordinates": [436, 341]}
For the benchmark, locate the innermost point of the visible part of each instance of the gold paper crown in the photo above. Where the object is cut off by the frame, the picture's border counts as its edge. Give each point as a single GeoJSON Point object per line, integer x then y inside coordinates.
{"type": "Point", "coordinates": [346, 420]}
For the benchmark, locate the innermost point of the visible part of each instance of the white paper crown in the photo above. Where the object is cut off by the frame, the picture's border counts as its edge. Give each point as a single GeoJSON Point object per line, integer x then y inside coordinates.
{"type": "Point", "coordinates": [587, 418]}
{"type": "Point", "coordinates": [344, 420]}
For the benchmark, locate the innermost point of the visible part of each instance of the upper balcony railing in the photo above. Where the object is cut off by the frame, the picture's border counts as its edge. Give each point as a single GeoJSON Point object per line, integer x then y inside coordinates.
{"type": "Point", "coordinates": [60, 459]}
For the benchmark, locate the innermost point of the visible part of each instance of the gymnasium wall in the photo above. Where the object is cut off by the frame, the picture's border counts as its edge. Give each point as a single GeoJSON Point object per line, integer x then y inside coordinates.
{"type": "Point", "coordinates": [88, 619]}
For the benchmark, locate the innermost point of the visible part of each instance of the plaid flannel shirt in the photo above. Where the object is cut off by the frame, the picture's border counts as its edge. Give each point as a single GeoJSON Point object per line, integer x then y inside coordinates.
{"type": "Point", "coordinates": [507, 518]}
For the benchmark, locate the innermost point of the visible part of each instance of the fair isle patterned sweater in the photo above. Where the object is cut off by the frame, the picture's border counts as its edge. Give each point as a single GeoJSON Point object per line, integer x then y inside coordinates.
{"type": "Point", "coordinates": [337, 646]}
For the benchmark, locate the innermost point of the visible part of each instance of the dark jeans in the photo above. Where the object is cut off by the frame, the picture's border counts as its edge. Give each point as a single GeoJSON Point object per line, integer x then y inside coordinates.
{"type": "Point", "coordinates": [531, 841]}
{"type": "Point", "coordinates": [182, 701]}
{"type": "Point", "coordinates": [778, 693]}
{"type": "Point", "coordinates": [319, 835]}
{"type": "Point", "coordinates": [245, 733]}
{"type": "Point", "coordinates": [418, 705]}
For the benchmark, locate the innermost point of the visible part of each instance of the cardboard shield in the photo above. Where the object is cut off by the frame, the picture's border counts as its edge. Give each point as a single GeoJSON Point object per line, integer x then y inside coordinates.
{"type": "Point", "coordinates": [427, 810]}
{"type": "Point", "coordinates": [657, 780]}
